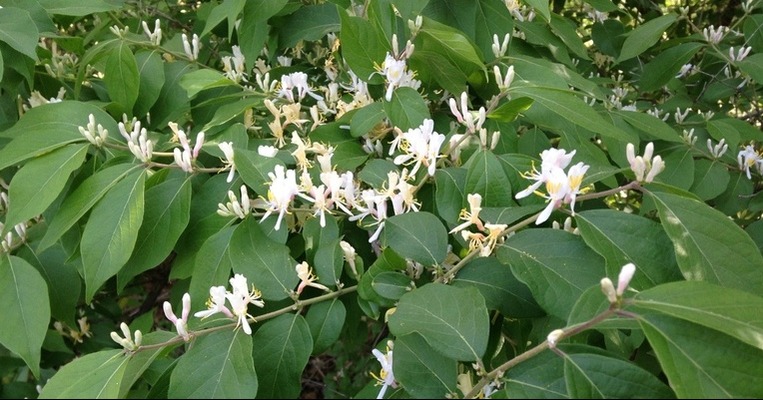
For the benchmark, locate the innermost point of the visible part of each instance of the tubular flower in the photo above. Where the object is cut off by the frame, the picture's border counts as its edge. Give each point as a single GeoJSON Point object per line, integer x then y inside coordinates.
{"type": "Point", "coordinates": [472, 217]}
{"type": "Point", "coordinates": [283, 188]}
{"type": "Point", "coordinates": [748, 157]}
{"type": "Point", "coordinates": [644, 167]}
{"type": "Point", "coordinates": [127, 341]}
{"type": "Point", "coordinates": [240, 298]}
{"type": "Point", "coordinates": [386, 377]}
{"type": "Point", "coordinates": [181, 324]}
{"type": "Point", "coordinates": [421, 146]}
{"type": "Point", "coordinates": [307, 278]}
{"type": "Point", "coordinates": [227, 149]}
{"type": "Point", "coordinates": [215, 303]}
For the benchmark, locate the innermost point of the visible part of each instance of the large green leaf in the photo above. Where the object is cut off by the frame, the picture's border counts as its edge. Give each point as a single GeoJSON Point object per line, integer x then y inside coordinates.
{"type": "Point", "coordinates": [571, 108]}
{"type": "Point", "coordinates": [328, 263]}
{"type": "Point", "coordinates": [18, 30]}
{"type": "Point", "coordinates": [485, 175]}
{"type": "Point", "coordinates": [42, 129]}
{"type": "Point", "coordinates": [449, 193]}
{"type": "Point", "coordinates": [326, 320]}
{"type": "Point", "coordinates": [81, 200]}
{"type": "Point", "coordinates": [217, 366]}
{"type": "Point", "coordinates": [173, 100]}
{"type": "Point", "coordinates": [151, 71]}
{"type": "Point", "coordinates": [622, 238]}
{"type": "Point", "coordinates": [666, 65]}
{"type": "Point", "coordinates": [229, 10]}
{"type": "Point", "coordinates": [593, 376]}
{"type": "Point", "coordinates": [92, 376]}
{"type": "Point", "coordinates": [710, 179]}
{"type": "Point", "coordinates": [81, 7]}
{"type": "Point", "coordinates": [37, 184]}
{"type": "Point", "coordinates": [454, 321]}
{"type": "Point", "coordinates": [26, 310]}
{"type": "Point", "coordinates": [709, 246]}
{"type": "Point", "coordinates": [362, 48]}
{"type": "Point", "coordinates": [540, 377]}
{"type": "Point", "coordinates": [704, 363]}
{"type": "Point", "coordinates": [254, 169]}
{"type": "Point", "coordinates": [419, 236]}
{"type": "Point", "coordinates": [196, 81]}
{"type": "Point", "coordinates": [265, 263]}
{"type": "Point", "coordinates": [310, 22]}
{"type": "Point", "coordinates": [556, 265]}
{"type": "Point", "coordinates": [213, 266]}
{"type": "Point", "coordinates": [643, 37]}
{"type": "Point", "coordinates": [165, 216]}
{"type": "Point", "coordinates": [121, 77]}
{"type": "Point", "coordinates": [407, 109]}
{"type": "Point", "coordinates": [500, 288]}
{"type": "Point", "coordinates": [111, 232]}
{"type": "Point", "coordinates": [140, 362]}
{"type": "Point", "coordinates": [733, 312]}
{"type": "Point", "coordinates": [253, 30]}
{"type": "Point", "coordinates": [423, 372]}
{"type": "Point", "coordinates": [64, 283]}
{"type": "Point", "coordinates": [283, 348]}
{"type": "Point", "coordinates": [650, 125]}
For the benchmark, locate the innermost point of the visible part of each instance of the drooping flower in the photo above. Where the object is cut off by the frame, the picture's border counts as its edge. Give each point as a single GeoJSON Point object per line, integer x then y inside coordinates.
{"type": "Point", "coordinates": [283, 188]}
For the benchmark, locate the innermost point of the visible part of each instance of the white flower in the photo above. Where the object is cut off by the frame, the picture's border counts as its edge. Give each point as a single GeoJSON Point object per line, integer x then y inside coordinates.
{"type": "Point", "coordinates": [500, 48]}
{"type": "Point", "coordinates": [127, 341]}
{"type": "Point", "coordinates": [421, 147]}
{"type": "Point", "coordinates": [181, 324]}
{"type": "Point", "coordinates": [472, 217]}
{"type": "Point", "coordinates": [267, 151]}
{"type": "Point", "coordinates": [503, 81]}
{"type": "Point", "coordinates": [240, 298]}
{"type": "Point", "coordinates": [156, 36]}
{"type": "Point", "coordinates": [624, 279]}
{"type": "Point", "coordinates": [137, 141]}
{"type": "Point", "coordinates": [472, 120]}
{"type": "Point", "coordinates": [94, 134]}
{"type": "Point", "coordinates": [298, 81]}
{"type": "Point", "coordinates": [215, 303]}
{"type": "Point", "coordinates": [748, 157]}
{"type": "Point", "coordinates": [349, 255]}
{"type": "Point", "coordinates": [234, 208]}
{"type": "Point", "coordinates": [644, 167]}
{"type": "Point", "coordinates": [386, 377]}
{"type": "Point", "coordinates": [191, 48]}
{"type": "Point", "coordinates": [397, 75]}
{"type": "Point", "coordinates": [227, 149]}
{"type": "Point", "coordinates": [550, 159]}
{"type": "Point", "coordinates": [307, 278]}
{"type": "Point", "coordinates": [283, 188]}
{"type": "Point", "coordinates": [234, 67]}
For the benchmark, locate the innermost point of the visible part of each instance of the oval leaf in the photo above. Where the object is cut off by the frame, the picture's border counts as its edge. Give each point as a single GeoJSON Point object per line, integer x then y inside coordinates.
{"type": "Point", "coordinates": [121, 77]}
{"type": "Point", "coordinates": [419, 236]}
{"type": "Point", "coordinates": [645, 36]}
{"type": "Point", "coordinates": [93, 376]}
{"type": "Point", "coordinates": [594, 376]}
{"type": "Point", "coordinates": [283, 348]}
{"type": "Point", "coordinates": [326, 320]}
{"type": "Point", "coordinates": [423, 372]}
{"type": "Point", "coordinates": [454, 321]}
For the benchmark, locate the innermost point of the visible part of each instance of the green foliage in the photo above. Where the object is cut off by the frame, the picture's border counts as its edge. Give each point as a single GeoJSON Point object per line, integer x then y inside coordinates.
{"type": "Point", "coordinates": [521, 199]}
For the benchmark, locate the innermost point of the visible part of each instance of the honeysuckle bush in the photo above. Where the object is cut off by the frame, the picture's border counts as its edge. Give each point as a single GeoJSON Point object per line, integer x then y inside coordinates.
{"type": "Point", "coordinates": [264, 198]}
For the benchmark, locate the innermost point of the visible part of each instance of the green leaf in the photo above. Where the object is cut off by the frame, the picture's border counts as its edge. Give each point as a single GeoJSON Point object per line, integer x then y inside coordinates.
{"type": "Point", "coordinates": [253, 30]}
{"type": "Point", "coordinates": [509, 111]}
{"type": "Point", "coordinates": [508, 215]}
{"type": "Point", "coordinates": [121, 77]}
{"type": "Point", "coordinates": [556, 265]}
{"type": "Point", "coordinates": [196, 81]}
{"type": "Point", "coordinates": [644, 36]}
{"type": "Point", "coordinates": [228, 9]}
{"type": "Point", "coordinates": [423, 372]}
{"type": "Point", "coordinates": [710, 179]}
{"type": "Point", "coordinates": [566, 30]}
{"type": "Point", "coordinates": [140, 362]}
{"type": "Point", "coordinates": [622, 238]}
{"type": "Point", "coordinates": [228, 111]}
{"type": "Point", "coordinates": [365, 119]}
{"type": "Point", "coordinates": [325, 320]}
{"type": "Point", "coordinates": [283, 348]}
{"type": "Point", "coordinates": [704, 363]}
{"type": "Point", "coordinates": [449, 193]}
{"type": "Point", "coordinates": [41, 129]}
{"type": "Point", "coordinates": [501, 290]}
{"type": "Point", "coordinates": [667, 64]}
{"type": "Point", "coordinates": [570, 108]}
{"type": "Point", "coordinates": [709, 246]}
{"type": "Point", "coordinates": [26, 310]}
{"type": "Point", "coordinates": [750, 66]}
{"type": "Point", "coordinates": [310, 22]}
{"type": "Point", "coordinates": [18, 30]}
{"type": "Point", "coordinates": [64, 283]}
{"type": "Point", "coordinates": [328, 263]}
{"type": "Point", "coordinates": [419, 236]}
{"type": "Point", "coordinates": [81, 200]}
{"type": "Point", "coordinates": [316, 236]}
{"type": "Point", "coordinates": [730, 311]}
{"type": "Point", "coordinates": [151, 71]}
{"type": "Point", "coordinates": [376, 172]}
{"type": "Point", "coordinates": [81, 7]}
{"type": "Point", "coordinates": [212, 268]}
{"type": "Point", "coordinates": [407, 109]}
{"type": "Point", "coordinates": [265, 263]}
{"type": "Point", "coordinates": [92, 376]}
{"type": "Point", "coordinates": [165, 217]}
{"type": "Point", "coordinates": [387, 261]}
{"type": "Point", "coordinates": [485, 175]}
{"type": "Point", "coordinates": [454, 321]}
{"type": "Point", "coordinates": [217, 366]}
{"type": "Point", "coordinates": [37, 184]}
{"type": "Point", "coordinates": [540, 377]}
{"type": "Point", "coordinates": [596, 376]}
{"type": "Point", "coordinates": [254, 169]}
{"type": "Point", "coordinates": [650, 125]}
{"type": "Point", "coordinates": [391, 284]}
{"type": "Point", "coordinates": [679, 169]}
{"type": "Point", "coordinates": [362, 48]}
{"type": "Point", "coordinates": [541, 6]}
{"type": "Point", "coordinates": [111, 232]}
{"type": "Point", "coordinates": [173, 100]}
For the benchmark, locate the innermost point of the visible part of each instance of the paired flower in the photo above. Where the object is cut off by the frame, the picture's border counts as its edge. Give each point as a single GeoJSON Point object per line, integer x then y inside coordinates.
{"type": "Point", "coordinates": [239, 299]}
{"type": "Point", "coordinates": [127, 341]}
{"type": "Point", "coordinates": [137, 141]}
{"type": "Point", "coordinates": [181, 324]}
{"type": "Point", "coordinates": [645, 167]}
{"type": "Point", "coordinates": [421, 146]}
{"type": "Point", "coordinates": [184, 158]}
{"type": "Point", "coordinates": [95, 134]}
{"type": "Point", "coordinates": [307, 278]}
{"type": "Point", "coordinates": [561, 187]}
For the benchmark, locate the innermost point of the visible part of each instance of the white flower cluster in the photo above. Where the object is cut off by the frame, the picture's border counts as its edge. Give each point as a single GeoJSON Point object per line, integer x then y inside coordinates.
{"type": "Point", "coordinates": [645, 167]}
{"type": "Point", "coordinates": [749, 157]}
{"type": "Point", "coordinates": [421, 146]}
{"type": "Point", "coordinates": [561, 187]}
{"type": "Point", "coordinates": [137, 141]}
{"type": "Point", "coordinates": [95, 134]}
{"type": "Point", "coordinates": [239, 299]}
{"type": "Point", "coordinates": [184, 158]}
